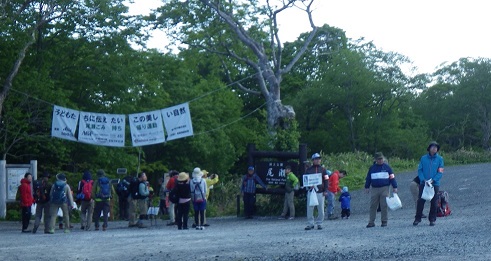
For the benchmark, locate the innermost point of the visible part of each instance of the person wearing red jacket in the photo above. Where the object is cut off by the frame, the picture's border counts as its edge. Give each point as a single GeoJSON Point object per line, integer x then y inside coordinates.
{"type": "Point", "coordinates": [26, 200]}
{"type": "Point", "coordinates": [332, 189]}
{"type": "Point", "coordinates": [172, 207]}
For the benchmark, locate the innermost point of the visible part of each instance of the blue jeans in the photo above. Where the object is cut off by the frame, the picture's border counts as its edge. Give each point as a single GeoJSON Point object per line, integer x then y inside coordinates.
{"type": "Point", "coordinates": [330, 203]}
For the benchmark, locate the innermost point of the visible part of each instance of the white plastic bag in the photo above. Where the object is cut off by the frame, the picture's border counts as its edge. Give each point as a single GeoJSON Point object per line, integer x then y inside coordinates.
{"type": "Point", "coordinates": [394, 202]}
{"type": "Point", "coordinates": [428, 191]}
{"type": "Point", "coordinates": [313, 201]}
{"type": "Point", "coordinates": [33, 209]}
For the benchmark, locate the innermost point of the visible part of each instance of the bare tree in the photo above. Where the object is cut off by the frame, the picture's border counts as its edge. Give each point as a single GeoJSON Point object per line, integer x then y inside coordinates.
{"type": "Point", "coordinates": [267, 63]}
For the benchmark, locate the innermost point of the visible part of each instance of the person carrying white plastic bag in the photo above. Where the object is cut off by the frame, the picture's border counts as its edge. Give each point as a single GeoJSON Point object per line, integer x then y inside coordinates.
{"type": "Point", "coordinates": [430, 171]}
{"type": "Point", "coordinates": [394, 202]}
{"type": "Point", "coordinates": [428, 191]}
{"type": "Point", "coordinates": [313, 201]}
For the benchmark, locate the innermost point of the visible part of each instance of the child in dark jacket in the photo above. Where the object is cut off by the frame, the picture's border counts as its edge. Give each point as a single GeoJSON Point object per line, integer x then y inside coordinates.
{"type": "Point", "coordinates": [345, 200]}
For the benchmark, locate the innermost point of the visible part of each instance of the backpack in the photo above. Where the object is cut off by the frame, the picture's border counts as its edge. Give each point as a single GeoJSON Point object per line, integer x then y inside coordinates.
{"type": "Point", "coordinates": [123, 187]}
{"type": "Point", "coordinates": [198, 198]}
{"type": "Point", "coordinates": [104, 191]}
{"type": "Point", "coordinates": [134, 189]}
{"type": "Point", "coordinates": [443, 207]}
{"type": "Point", "coordinates": [41, 192]}
{"type": "Point", "coordinates": [59, 196]}
{"type": "Point", "coordinates": [173, 197]}
{"type": "Point", "coordinates": [86, 192]}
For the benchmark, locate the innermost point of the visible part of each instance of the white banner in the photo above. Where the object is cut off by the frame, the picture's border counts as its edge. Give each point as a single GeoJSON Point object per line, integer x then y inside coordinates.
{"type": "Point", "coordinates": [64, 123]}
{"type": "Point", "coordinates": [177, 121]}
{"type": "Point", "coordinates": [146, 128]}
{"type": "Point", "coordinates": [102, 129]}
{"type": "Point", "coordinates": [312, 179]}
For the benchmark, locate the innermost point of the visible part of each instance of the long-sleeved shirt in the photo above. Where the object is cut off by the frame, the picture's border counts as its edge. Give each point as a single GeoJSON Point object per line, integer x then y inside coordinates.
{"type": "Point", "coordinates": [210, 182]}
{"type": "Point", "coordinates": [430, 167]}
{"type": "Point", "coordinates": [314, 169]}
{"type": "Point", "coordinates": [249, 183]}
{"type": "Point", "coordinates": [291, 182]}
{"type": "Point", "coordinates": [380, 176]}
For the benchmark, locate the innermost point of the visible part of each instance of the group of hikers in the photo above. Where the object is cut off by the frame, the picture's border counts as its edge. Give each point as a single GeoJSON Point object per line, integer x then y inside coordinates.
{"type": "Point", "coordinates": [178, 191]}
{"type": "Point", "coordinates": [94, 197]}
{"type": "Point", "coordinates": [379, 178]}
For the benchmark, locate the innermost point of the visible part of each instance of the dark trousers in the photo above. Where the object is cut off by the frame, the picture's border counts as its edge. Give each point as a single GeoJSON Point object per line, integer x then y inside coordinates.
{"type": "Point", "coordinates": [249, 204]}
{"type": "Point", "coordinates": [162, 207]}
{"type": "Point", "coordinates": [101, 207]}
{"type": "Point", "coordinates": [123, 208]}
{"type": "Point", "coordinates": [421, 204]}
{"type": "Point", "coordinates": [182, 215]}
{"type": "Point", "coordinates": [199, 213]}
{"type": "Point", "coordinates": [26, 216]}
{"type": "Point", "coordinates": [345, 212]}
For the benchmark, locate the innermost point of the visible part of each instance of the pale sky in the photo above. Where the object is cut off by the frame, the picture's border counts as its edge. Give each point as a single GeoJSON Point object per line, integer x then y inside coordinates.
{"type": "Point", "coordinates": [429, 32]}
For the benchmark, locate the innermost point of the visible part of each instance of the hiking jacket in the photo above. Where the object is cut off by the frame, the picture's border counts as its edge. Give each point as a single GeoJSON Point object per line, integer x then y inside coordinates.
{"type": "Point", "coordinates": [345, 200]}
{"type": "Point", "coordinates": [380, 176]}
{"type": "Point", "coordinates": [325, 177]}
{"type": "Point", "coordinates": [333, 185]}
{"type": "Point", "coordinates": [210, 182]}
{"type": "Point", "coordinates": [291, 182]}
{"type": "Point", "coordinates": [430, 167]}
{"type": "Point", "coordinates": [26, 198]}
{"type": "Point", "coordinates": [249, 183]}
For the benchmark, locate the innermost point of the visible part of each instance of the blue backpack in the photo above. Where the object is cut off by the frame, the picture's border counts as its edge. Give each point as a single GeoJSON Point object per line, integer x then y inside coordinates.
{"type": "Point", "coordinates": [104, 188]}
{"type": "Point", "coordinates": [59, 196]}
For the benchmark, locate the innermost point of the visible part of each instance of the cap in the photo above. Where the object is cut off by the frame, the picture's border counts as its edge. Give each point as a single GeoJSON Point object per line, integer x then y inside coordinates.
{"type": "Point", "coordinates": [250, 168]}
{"type": "Point", "coordinates": [316, 156]}
{"type": "Point", "coordinates": [61, 176]}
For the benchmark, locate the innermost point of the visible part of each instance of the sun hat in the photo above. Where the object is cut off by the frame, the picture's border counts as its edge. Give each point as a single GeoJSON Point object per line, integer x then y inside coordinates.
{"type": "Point", "coordinates": [197, 173]}
{"type": "Point", "coordinates": [433, 143]}
{"type": "Point", "coordinates": [183, 176]}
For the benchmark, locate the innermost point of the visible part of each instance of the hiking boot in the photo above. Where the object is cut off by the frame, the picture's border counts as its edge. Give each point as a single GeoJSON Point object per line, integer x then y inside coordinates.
{"type": "Point", "coordinates": [26, 231]}
{"type": "Point", "coordinates": [34, 230]}
{"type": "Point", "coordinates": [206, 225]}
{"type": "Point", "coordinates": [104, 228]}
{"type": "Point", "coordinates": [319, 227]}
{"type": "Point", "coordinates": [66, 231]}
{"type": "Point", "coordinates": [384, 224]}
{"type": "Point", "coordinates": [82, 228]}
{"type": "Point", "coordinates": [370, 225]}
{"type": "Point", "coordinates": [432, 223]}
{"type": "Point", "coordinates": [193, 226]}
{"type": "Point", "coordinates": [201, 228]}
{"type": "Point", "coordinates": [416, 222]}
{"type": "Point", "coordinates": [309, 227]}
{"type": "Point", "coordinates": [96, 228]}
{"type": "Point", "coordinates": [49, 232]}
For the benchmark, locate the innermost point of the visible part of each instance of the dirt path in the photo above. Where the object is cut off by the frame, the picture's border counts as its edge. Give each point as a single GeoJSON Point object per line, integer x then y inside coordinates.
{"type": "Point", "coordinates": [463, 235]}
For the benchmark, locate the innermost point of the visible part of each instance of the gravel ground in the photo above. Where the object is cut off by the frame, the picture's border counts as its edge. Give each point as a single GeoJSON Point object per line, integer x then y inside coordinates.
{"type": "Point", "coordinates": [463, 235]}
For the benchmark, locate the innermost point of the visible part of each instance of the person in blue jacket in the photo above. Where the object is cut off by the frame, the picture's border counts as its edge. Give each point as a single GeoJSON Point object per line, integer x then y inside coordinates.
{"type": "Point", "coordinates": [430, 170]}
{"type": "Point", "coordinates": [379, 177]}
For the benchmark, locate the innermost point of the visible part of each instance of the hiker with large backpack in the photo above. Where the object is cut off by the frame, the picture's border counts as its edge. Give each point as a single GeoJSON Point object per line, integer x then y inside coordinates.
{"type": "Point", "coordinates": [84, 195]}
{"type": "Point", "coordinates": [430, 171]}
{"type": "Point", "coordinates": [102, 192]}
{"type": "Point", "coordinates": [60, 197]}
{"type": "Point", "coordinates": [198, 197]}
{"type": "Point", "coordinates": [138, 201]}
{"type": "Point", "coordinates": [123, 191]}
{"type": "Point", "coordinates": [42, 188]}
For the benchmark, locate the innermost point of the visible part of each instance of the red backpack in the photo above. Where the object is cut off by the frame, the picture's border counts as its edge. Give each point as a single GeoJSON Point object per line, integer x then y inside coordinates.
{"type": "Point", "coordinates": [443, 208]}
{"type": "Point", "coordinates": [86, 190]}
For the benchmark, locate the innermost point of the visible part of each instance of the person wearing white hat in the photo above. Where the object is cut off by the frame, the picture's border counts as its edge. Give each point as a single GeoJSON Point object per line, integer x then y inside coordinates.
{"type": "Point", "coordinates": [321, 192]}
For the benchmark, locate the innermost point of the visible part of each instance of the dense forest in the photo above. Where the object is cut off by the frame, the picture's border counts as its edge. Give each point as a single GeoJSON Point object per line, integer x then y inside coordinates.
{"type": "Point", "coordinates": [242, 83]}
